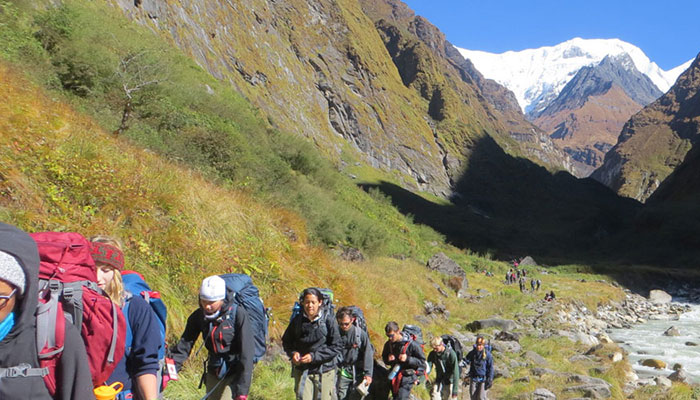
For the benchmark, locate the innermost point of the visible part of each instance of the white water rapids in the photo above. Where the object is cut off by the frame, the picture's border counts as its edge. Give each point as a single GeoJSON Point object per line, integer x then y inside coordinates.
{"type": "Point", "coordinates": [647, 340]}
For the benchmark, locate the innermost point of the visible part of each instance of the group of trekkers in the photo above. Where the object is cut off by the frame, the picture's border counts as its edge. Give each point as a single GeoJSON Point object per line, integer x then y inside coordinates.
{"type": "Point", "coordinates": [75, 324]}
{"type": "Point", "coordinates": [332, 356]}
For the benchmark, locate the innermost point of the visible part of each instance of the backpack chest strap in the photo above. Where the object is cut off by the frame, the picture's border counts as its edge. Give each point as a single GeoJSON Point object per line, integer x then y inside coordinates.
{"type": "Point", "coordinates": [23, 371]}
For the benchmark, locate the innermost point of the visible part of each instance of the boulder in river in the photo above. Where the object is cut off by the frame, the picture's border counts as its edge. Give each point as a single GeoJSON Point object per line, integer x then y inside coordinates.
{"type": "Point", "coordinates": [654, 363]}
{"type": "Point", "coordinates": [659, 297]}
{"type": "Point", "coordinates": [672, 331]}
{"type": "Point", "coordinates": [678, 376]}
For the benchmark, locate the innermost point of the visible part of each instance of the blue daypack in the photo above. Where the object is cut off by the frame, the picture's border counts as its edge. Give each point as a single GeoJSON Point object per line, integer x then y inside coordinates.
{"type": "Point", "coordinates": [137, 286]}
{"type": "Point", "coordinates": [247, 295]}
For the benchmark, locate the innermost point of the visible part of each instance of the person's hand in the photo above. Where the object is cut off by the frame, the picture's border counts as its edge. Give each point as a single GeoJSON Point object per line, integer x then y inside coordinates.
{"type": "Point", "coordinates": [296, 358]}
{"type": "Point", "coordinates": [306, 358]}
{"type": "Point", "coordinates": [242, 397]}
{"type": "Point", "coordinates": [368, 380]}
{"type": "Point", "coordinates": [403, 357]}
{"type": "Point", "coordinates": [391, 357]}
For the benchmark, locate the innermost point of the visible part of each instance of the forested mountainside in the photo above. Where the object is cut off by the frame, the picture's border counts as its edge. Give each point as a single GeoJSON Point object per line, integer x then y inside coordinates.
{"type": "Point", "coordinates": [656, 140]}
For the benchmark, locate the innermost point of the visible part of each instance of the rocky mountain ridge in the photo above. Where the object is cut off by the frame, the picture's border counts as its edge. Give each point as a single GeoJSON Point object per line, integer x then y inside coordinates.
{"type": "Point", "coordinates": [588, 114]}
{"type": "Point", "coordinates": [656, 140]}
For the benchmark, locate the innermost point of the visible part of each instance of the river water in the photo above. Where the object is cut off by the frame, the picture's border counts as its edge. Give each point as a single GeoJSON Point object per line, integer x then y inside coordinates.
{"type": "Point", "coordinates": [647, 340]}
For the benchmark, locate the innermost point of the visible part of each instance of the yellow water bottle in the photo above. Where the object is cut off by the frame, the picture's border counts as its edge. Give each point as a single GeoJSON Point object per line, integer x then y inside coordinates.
{"type": "Point", "coordinates": [108, 392]}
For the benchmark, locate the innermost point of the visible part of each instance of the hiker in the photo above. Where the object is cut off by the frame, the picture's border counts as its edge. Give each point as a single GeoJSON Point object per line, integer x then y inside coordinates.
{"type": "Point", "coordinates": [405, 358]}
{"type": "Point", "coordinates": [552, 296]}
{"type": "Point", "coordinates": [481, 371]}
{"type": "Point", "coordinates": [533, 283]}
{"type": "Point", "coordinates": [539, 283]}
{"type": "Point", "coordinates": [227, 334]}
{"type": "Point", "coordinates": [139, 367]}
{"type": "Point", "coordinates": [357, 362]}
{"type": "Point", "coordinates": [20, 375]}
{"type": "Point", "coordinates": [312, 342]}
{"type": "Point", "coordinates": [446, 383]}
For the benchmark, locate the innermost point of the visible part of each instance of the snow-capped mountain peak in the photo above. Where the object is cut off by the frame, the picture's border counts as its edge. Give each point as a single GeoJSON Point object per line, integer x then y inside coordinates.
{"type": "Point", "coordinates": [536, 76]}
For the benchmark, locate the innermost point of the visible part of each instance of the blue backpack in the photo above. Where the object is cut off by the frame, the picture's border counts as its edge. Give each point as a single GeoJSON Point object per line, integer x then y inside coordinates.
{"type": "Point", "coordinates": [137, 286]}
{"type": "Point", "coordinates": [247, 295]}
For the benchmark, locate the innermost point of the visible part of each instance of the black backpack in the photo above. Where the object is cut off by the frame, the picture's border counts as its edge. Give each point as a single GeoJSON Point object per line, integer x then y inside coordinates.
{"type": "Point", "coordinates": [415, 333]}
{"type": "Point", "coordinates": [453, 343]}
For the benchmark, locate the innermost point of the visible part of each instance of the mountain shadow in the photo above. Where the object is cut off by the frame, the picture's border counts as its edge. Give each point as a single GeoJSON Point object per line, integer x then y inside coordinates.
{"type": "Point", "coordinates": [511, 207]}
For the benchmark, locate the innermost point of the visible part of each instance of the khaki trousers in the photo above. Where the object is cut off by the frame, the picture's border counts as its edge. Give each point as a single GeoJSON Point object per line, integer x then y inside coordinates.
{"type": "Point", "coordinates": [223, 391]}
{"type": "Point", "coordinates": [441, 392]}
{"type": "Point", "coordinates": [315, 386]}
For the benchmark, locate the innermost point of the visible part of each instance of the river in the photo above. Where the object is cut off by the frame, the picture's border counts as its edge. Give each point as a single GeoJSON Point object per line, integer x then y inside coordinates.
{"type": "Point", "coordinates": [647, 340]}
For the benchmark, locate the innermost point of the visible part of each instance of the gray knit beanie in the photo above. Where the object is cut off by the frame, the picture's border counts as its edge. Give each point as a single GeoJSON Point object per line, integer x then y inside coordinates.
{"type": "Point", "coordinates": [11, 272]}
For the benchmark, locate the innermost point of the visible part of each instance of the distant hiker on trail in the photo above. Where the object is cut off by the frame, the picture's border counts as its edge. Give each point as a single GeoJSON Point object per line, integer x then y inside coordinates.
{"type": "Point", "coordinates": [357, 362]}
{"type": "Point", "coordinates": [19, 287]}
{"type": "Point", "coordinates": [480, 370]}
{"type": "Point", "coordinates": [312, 342]}
{"type": "Point", "coordinates": [533, 283]}
{"type": "Point", "coordinates": [522, 281]}
{"type": "Point", "coordinates": [446, 383]}
{"type": "Point", "coordinates": [228, 337]}
{"type": "Point", "coordinates": [139, 367]}
{"type": "Point", "coordinates": [539, 283]}
{"type": "Point", "coordinates": [405, 358]}
{"type": "Point", "coordinates": [550, 296]}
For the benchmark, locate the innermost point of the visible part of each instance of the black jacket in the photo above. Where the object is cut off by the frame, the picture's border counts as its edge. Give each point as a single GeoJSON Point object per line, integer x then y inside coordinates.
{"type": "Point", "coordinates": [359, 355]}
{"type": "Point", "coordinates": [73, 379]}
{"type": "Point", "coordinates": [415, 360]}
{"type": "Point", "coordinates": [236, 349]}
{"type": "Point", "coordinates": [320, 338]}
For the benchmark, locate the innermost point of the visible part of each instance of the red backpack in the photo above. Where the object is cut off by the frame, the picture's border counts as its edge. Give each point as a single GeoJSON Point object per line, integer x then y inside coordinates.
{"type": "Point", "coordinates": [68, 287]}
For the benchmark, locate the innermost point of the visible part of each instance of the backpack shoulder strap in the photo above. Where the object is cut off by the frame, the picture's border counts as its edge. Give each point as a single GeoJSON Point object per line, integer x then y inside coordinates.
{"type": "Point", "coordinates": [129, 336]}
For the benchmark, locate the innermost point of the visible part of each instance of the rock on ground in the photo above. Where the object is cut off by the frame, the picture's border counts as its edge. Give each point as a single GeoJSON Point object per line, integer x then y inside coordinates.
{"type": "Point", "coordinates": [543, 394]}
{"type": "Point", "coordinates": [441, 263]}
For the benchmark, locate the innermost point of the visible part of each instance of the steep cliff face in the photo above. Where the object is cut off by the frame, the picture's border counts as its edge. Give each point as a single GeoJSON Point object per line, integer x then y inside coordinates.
{"type": "Point", "coordinates": [512, 130]}
{"type": "Point", "coordinates": [315, 68]}
{"type": "Point", "coordinates": [587, 116]}
{"type": "Point", "coordinates": [325, 70]}
{"type": "Point", "coordinates": [656, 140]}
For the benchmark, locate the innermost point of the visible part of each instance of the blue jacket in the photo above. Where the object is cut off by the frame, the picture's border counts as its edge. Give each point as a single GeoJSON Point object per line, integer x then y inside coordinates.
{"type": "Point", "coordinates": [480, 366]}
{"type": "Point", "coordinates": [143, 356]}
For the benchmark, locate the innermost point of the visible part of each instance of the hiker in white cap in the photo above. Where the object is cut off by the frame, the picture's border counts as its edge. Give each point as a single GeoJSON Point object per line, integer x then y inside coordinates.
{"type": "Point", "coordinates": [228, 337]}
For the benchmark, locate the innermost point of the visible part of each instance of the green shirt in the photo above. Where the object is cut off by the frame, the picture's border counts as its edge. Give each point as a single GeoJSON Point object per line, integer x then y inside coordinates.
{"type": "Point", "coordinates": [446, 368]}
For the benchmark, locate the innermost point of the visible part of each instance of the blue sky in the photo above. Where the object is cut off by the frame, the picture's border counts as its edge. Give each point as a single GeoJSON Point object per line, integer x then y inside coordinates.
{"type": "Point", "coordinates": [667, 31]}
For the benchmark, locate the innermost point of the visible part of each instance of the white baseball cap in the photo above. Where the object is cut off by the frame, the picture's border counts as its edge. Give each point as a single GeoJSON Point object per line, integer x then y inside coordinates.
{"type": "Point", "coordinates": [213, 289]}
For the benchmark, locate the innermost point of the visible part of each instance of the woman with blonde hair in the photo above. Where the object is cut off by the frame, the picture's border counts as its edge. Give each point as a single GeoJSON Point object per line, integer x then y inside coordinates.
{"type": "Point", "coordinates": [138, 369]}
{"type": "Point", "coordinates": [480, 370]}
